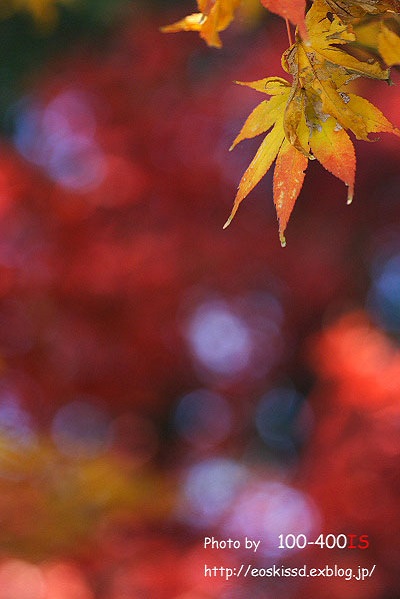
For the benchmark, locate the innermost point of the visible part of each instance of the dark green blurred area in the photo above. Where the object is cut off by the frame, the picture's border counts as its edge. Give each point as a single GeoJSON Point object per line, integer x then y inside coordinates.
{"type": "Point", "coordinates": [27, 45]}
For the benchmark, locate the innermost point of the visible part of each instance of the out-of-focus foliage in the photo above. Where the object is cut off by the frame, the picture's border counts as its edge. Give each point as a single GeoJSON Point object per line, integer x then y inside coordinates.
{"type": "Point", "coordinates": [35, 31]}
{"type": "Point", "coordinates": [52, 502]}
{"type": "Point", "coordinates": [44, 12]}
{"type": "Point", "coordinates": [162, 381]}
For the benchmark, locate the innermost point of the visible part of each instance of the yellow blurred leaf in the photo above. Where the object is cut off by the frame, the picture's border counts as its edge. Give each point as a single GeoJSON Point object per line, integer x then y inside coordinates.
{"type": "Point", "coordinates": [389, 45]}
{"type": "Point", "coordinates": [214, 16]}
{"type": "Point", "coordinates": [43, 11]}
{"type": "Point", "coordinates": [52, 503]}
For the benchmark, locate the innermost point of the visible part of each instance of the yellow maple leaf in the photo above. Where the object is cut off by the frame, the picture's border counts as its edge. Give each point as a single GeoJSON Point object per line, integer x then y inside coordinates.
{"type": "Point", "coordinates": [320, 67]}
{"type": "Point", "coordinates": [325, 47]}
{"type": "Point", "coordinates": [324, 98]}
{"type": "Point", "coordinates": [269, 148]}
{"type": "Point", "coordinates": [380, 36]}
{"type": "Point", "coordinates": [213, 17]}
{"type": "Point", "coordinates": [308, 118]}
{"type": "Point", "coordinates": [290, 163]}
{"type": "Point", "coordinates": [267, 112]}
{"type": "Point", "coordinates": [348, 10]}
{"type": "Point", "coordinates": [389, 45]}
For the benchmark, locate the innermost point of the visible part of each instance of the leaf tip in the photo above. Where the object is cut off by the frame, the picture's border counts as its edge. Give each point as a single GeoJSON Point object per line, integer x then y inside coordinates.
{"type": "Point", "coordinates": [350, 194]}
{"type": "Point", "coordinates": [282, 239]}
{"type": "Point", "coordinates": [232, 214]}
{"type": "Point", "coordinates": [228, 222]}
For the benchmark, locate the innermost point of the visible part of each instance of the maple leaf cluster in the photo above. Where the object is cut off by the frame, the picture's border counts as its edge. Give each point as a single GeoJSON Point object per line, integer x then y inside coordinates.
{"type": "Point", "coordinates": [308, 117]}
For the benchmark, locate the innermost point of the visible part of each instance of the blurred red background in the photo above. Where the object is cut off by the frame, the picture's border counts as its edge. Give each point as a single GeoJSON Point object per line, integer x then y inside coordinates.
{"type": "Point", "coordinates": [163, 380]}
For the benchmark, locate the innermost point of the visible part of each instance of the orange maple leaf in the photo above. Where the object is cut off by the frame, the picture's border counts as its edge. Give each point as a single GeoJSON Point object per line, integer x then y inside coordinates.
{"type": "Point", "coordinates": [293, 10]}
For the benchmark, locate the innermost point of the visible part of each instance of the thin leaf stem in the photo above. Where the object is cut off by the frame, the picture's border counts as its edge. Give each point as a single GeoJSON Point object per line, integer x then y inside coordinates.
{"type": "Point", "coordinates": [289, 33]}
